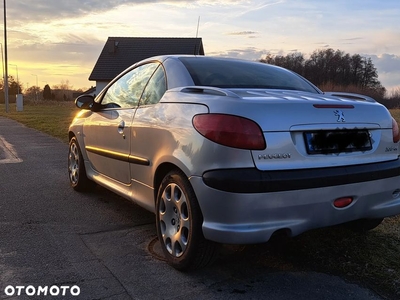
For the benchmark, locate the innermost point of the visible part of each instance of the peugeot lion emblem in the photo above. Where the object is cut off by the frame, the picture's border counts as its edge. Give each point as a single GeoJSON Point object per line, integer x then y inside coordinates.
{"type": "Point", "coordinates": [340, 116]}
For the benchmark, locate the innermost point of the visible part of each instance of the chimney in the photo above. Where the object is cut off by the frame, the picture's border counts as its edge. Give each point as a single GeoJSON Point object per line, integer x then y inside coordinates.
{"type": "Point", "coordinates": [112, 46]}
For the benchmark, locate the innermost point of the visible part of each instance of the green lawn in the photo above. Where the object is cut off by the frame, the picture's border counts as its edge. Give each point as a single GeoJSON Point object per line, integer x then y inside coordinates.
{"type": "Point", "coordinates": [372, 259]}
{"type": "Point", "coordinates": [50, 117]}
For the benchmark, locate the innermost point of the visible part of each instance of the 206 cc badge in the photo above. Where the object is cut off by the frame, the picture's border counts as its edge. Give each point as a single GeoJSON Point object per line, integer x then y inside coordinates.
{"type": "Point", "coordinates": [340, 116]}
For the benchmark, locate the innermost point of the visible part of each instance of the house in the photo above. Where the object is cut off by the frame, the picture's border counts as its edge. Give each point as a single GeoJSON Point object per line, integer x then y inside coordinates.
{"type": "Point", "coordinates": [121, 52]}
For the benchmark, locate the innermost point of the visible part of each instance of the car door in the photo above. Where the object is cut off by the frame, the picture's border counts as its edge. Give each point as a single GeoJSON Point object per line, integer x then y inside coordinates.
{"type": "Point", "coordinates": [148, 128]}
{"type": "Point", "coordinates": [107, 132]}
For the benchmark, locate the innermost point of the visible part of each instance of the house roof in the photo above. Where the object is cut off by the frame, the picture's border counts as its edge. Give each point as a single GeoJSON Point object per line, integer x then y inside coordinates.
{"type": "Point", "coordinates": [121, 52]}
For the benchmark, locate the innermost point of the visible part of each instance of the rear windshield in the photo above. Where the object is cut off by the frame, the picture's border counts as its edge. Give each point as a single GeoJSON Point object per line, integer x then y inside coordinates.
{"type": "Point", "coordinates": [224, 73]}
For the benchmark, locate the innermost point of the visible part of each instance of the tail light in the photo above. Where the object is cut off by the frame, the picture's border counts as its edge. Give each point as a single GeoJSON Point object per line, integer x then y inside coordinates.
{"type": "Point", "coordinates": [395, 130]}
{"type": "Point", "coordinates": [231, 131]}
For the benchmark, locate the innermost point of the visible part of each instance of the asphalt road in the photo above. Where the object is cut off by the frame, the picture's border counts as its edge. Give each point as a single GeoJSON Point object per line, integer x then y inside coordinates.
{"type": "Point", "coordinates": [104, 247]}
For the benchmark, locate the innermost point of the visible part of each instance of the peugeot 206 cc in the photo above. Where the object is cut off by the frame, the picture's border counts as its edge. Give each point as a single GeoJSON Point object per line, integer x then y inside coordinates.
{"type": "Point", "coordinates": [226, 151]}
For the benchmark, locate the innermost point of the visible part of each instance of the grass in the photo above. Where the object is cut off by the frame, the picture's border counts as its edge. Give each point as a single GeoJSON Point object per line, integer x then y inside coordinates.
{"type": "Point", "coordinates": [371, 259]}
{"type": "Point", "coordinates": [50, 117]}
{"type": "Point", "coordinates": [396, 114]}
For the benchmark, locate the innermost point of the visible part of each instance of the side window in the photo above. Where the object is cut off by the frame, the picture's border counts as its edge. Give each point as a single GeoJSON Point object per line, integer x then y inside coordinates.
{"type": "Point", "coordinates": [155, 88]}
{"type": "Point", "coordinates": [126, 91]}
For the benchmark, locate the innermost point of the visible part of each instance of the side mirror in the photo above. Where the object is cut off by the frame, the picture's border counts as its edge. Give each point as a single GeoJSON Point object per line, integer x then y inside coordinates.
{"type": "Point", "coordinates": [84, 101]}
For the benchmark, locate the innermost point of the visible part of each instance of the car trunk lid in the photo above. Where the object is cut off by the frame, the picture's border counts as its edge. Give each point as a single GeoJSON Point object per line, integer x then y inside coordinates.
{"type": "Point", "coordinates": [304, 130]}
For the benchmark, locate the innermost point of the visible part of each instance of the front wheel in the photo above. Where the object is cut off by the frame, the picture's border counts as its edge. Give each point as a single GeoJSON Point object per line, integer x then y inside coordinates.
{"type": "Point", "coordinates": [179, 221]}
{"type": "Point", "coordinates": [76, 168]}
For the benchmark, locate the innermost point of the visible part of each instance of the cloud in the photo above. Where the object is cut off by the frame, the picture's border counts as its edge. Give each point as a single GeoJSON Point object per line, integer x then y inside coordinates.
{"type": "Point", "coordinates": [322, 45]}
{"type": "Point", "coordinates": [249, 53]}
{"type": "Point", "coordinates": [72, 50]}
{"type": "Point", "coordinates": [47, 33]}
{"type": "Point", "coordinates": [353, 39]}
{"type": "Point", "coordinates": [53, 9]}
{"type": "Point", "coordinates": [386, 62]}
{"type": "Point", "coordinates": [388, 66]}
{"type": "Point", "coordinates": [243, 33]}
{"type": "Point", "coordinates": [45, 10]}
{"type": "Point", "coordinates": [72, 59]}
{"type": "Point", "coordinates": [259, 7]}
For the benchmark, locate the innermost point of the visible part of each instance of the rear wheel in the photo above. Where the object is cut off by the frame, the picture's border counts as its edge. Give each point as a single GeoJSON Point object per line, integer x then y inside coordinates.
{"type": "Point", "coordinates": [76, 168]}
{"type": "Point", "coordinates": [364, 225]}
{"type": "Point", "coordinates": [179, 221]}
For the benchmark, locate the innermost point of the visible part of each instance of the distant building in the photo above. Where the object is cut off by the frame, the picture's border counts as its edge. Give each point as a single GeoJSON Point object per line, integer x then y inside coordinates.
{"type": "Point", "coordinates": [121, 52]}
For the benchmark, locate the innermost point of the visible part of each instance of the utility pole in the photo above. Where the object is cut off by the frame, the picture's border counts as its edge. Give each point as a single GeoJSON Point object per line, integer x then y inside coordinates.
{"type": "Point", "coordinates": [6, 60]}
{"type": "Point", "coordinates": [2, 60]}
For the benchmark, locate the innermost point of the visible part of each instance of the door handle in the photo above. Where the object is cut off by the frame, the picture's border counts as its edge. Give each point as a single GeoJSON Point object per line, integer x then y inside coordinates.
{"type": "Point", "coordinates": [121, 127]}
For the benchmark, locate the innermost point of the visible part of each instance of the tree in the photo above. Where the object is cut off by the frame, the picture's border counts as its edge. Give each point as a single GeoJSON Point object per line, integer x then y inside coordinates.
{"type": "Point", "coordinates": [293, 61]}
{"type": "Point", "coordinates": [333, 68]}
{"type": "Point", "coordinates": [62, 91]}
{"type": "Point", "coordinates": [14, 87]}
{"type": "Point", "coordinates": [32, 93]}
{"type": "Point", "coordinates": [47, 92]}
{"type": "Point", "coordinates": [64, 85]}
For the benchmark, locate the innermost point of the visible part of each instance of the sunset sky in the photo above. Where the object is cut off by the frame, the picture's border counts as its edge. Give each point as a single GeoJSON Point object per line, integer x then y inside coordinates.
{"type": "Point", "coordinates": [60, 40]}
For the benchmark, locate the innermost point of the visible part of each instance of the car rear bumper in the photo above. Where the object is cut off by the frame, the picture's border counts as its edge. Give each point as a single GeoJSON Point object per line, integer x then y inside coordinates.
{"type": "Point", "coordinates": [252, 180]}
{"type": "Point", "coordinates": [238, 215]}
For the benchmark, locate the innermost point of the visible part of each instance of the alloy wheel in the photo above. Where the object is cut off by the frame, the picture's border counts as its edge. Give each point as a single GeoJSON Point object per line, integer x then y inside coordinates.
{"type": "Point", "coordinates": [73, 163]}
{"type": "Point", "coordinates": [174, 219]}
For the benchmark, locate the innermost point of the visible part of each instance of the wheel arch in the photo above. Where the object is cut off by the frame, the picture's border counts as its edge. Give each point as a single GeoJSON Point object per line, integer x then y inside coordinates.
{"type": "Point", "coordinates": [162, 170]}
{"type": "Point", "coordinates": [193, 251]}
{"type": "Point", "coordinates": [80, 141]}
{"type": "Point", "coordinates": [79, 180]}
{"type": "Point", "coordinates": [71, 134]}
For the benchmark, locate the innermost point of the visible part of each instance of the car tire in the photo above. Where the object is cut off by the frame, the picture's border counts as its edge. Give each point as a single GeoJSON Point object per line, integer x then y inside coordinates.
{"type": "Point", "coordinates": [179, 225]}
{"type": "Point", "coordinates": [76, 168]}
{"type": "Point", "coordinates": [363, 225]}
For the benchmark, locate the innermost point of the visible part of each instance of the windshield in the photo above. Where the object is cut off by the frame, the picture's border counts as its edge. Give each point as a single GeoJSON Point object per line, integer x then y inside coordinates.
{"type": "Point", "coordinates": [225, 73]}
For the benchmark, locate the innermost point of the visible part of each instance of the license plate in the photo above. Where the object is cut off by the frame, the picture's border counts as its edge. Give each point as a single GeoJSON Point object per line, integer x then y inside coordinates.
{"type": "Point", "coordinates": [337, 141]}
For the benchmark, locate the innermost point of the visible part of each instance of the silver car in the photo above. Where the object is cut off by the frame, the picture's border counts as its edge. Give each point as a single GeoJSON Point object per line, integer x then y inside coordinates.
{"type": "Point", "coordinates": [227, 151]}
